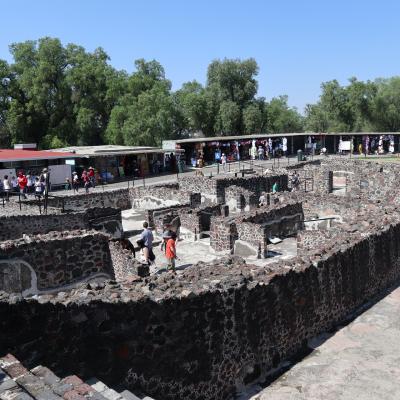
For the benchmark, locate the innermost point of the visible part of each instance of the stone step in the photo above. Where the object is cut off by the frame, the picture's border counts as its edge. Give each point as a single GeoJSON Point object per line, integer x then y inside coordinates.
{"type": "Point", "coordinates": [127, 395]}
{"type": "Point", "coordinates": [104, 390]}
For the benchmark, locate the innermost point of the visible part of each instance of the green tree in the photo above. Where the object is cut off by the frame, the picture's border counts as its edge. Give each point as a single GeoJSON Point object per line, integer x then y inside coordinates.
{"type": "Point", "coordinates": [228, 119]}
{"type": "Point", "coordinates": [281, 118]}
{"type": "Point", "coordinates": [146, 114]}
{"type": "Point", "coordinates": [254, 116]}
{"type": "Point", "coordinates": [386, 105]}
{"type": "Point", "coordinates": [5, 82]}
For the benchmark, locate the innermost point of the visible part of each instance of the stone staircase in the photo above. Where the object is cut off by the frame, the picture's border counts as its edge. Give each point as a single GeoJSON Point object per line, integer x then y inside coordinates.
{"type": "Point", "coordinates": [39, 383]}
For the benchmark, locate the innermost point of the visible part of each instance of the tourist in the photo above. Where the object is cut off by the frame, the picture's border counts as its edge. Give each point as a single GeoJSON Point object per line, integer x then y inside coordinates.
{"type": "Point", "coordinates": [44, 179]}
{"type": "Point", "coordinates": [30, 182]}
{"type": "Point", "coordinates": [223, 162]}
{"type": "Point", "coordinates": [85, 180]}
{"type": "Point", "coordinates": [262, 201]}
{"type": "Point", "coordinates": [170, 252]}
{"type": "Point", "coordinates": [275, 187]}
{"type": "Point", "coordinates": [67, 184]}
{"type": "Point", "coordinates": [295, 180]}
{"type": "Point", "coordinates": [22, 182]}
{"type": "Point", "coordinates": [14, 184]}
{"type": "Point", "coordinates": [167, 234]}
{"type": "Point", "coordinates": [260, 153]}
{"type": "Point", "coordinates": [7, 187]}
{"type": "Point", "coordinates": [75, 182]}
{"type": "Point", "coordinates": [38, 188]}
{"type": "Point", "coordinates": [146, 243]}
{"type": "Point", "coordinates": [91, 177]}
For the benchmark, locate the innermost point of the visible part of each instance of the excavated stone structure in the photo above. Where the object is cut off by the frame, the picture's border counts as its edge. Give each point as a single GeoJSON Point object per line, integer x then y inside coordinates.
{"type": "Point", "coordinates": [215, 327]}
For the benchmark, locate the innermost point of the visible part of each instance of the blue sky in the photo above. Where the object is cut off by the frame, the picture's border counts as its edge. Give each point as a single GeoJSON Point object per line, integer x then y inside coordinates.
{"type": "Point", "coordinates": [297, 44]}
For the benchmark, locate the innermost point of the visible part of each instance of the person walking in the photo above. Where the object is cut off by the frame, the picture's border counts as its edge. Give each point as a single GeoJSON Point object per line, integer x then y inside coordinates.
{"type": "Point", "coordinates": [260, 153]}
{"type": "Point", "coordinates": [38, 188]}
{"type": "Point", "coordinates": [146, 239]}
{"type": "Point", "coordinates": [91, 177]}
{"type": "Point", "coordinates": [75, 182]}
{"type": "Point", "coordinates": [85, 180]}
{"type": "Point", "coordinates": [223, 162]}
{"type": "Point", "coordinates": [22, 182]}
{"type": "Point", "coordinates": [44, 180]}
{"type": "Point", "coordinates": [170, 252]}
{"type": "Point", "coordinates": [30, 182]}
{"type": "Point", "coordinates": [6, 187]}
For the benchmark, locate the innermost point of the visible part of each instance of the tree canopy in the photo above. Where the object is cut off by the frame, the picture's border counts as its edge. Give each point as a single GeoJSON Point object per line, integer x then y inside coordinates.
{"type": "Point", "coordinates": [57, 95]}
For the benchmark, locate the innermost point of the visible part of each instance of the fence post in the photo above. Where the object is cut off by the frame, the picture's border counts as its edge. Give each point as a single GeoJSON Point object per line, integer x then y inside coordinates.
{"type": "Point", "coordinates": [217, 168]}
{"type": "Point", "coordinates": [144, 181]}
{"type": "Point", "coordinates": [19, 201]}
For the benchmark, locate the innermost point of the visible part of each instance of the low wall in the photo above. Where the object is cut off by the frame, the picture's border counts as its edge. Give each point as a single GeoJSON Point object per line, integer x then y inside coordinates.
{"type": "Point", "coordinates": [203, 333]}
{"type": "Point", "coordinates": [107, 220]}
{"type": "Point", "coordinates": [163, 195]}
{"type": "Point", "coordinates": [115, 198]}
{"type": "Point", "coordinates": [123, 261]}
{"type": "Point", "coordinates": [256, 227]}
{"type": "Point", "coordinates": [214, 188]}
{"type": "Point", "coordinates": [53, 260]}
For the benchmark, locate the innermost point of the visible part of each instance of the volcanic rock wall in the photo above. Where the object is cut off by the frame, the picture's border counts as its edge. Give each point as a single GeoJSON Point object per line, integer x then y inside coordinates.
{"type": "Point", "coordinates": [44, 262]}
{"type": "Point", "coordinates": [206, 332]}
{"type": "Point", "coordinates": [107, 220]}
{"type": "Point", "coordinates": [115, 198]}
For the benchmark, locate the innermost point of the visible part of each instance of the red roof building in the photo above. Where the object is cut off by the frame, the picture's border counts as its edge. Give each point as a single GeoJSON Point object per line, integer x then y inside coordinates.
{"type": "Point", "coordinates": [10, 155]}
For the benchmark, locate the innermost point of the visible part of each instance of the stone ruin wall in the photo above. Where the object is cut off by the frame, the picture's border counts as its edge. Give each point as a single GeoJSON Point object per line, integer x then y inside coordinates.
{"type": "Point", "coordinates": [115, 198]}
{"type": "Point", "coordinates": [141, 195]}
{"type": "Point", "coordinates": [205, 333]}
{"type": "Point", "coordinates": [124, 263]}
{"type": "Point", "coordinates": [256, 227]}
{"type": "Point", "coordinates": [53, 260]}
{"type": "Point", "coordinates": [107, 220]}
{"type": "Point", "coordinates": [213, 189]}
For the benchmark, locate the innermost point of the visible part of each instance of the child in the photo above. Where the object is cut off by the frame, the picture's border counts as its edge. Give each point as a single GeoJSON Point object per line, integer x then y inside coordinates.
{"type": "Point", "coordinates": [170, 252]}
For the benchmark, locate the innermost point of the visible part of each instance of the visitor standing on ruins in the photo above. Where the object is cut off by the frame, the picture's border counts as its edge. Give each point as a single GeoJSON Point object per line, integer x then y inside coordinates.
{"type": "Point", "coordinates": [170, 252]}
{"type": "Point", "coordinates": [146, 243]}
{"type": "Point", "coordinates": [295, 181]}
{"type": "Point", "coordinates": [6, 187]}
{"type": "Point", "coordinates": [275, 187]}
{"type": "Point", "coordinates": [22, 182]}
{"type": "Point", "coordinates": [223, 162]}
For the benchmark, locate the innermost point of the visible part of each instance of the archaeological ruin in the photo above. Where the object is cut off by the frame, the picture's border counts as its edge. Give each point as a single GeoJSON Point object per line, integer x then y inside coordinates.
{"type": "Point", "coordinates": [81, 316]}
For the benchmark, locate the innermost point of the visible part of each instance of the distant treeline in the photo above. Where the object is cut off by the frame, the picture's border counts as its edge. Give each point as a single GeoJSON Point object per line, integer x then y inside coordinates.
{"type": "Point", "coordinates": [57, 95]}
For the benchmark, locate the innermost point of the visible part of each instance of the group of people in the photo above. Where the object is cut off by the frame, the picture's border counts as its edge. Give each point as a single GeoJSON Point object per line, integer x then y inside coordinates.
{"type": "Point", "coordinates": [29, 184]}
{"type": "Point", "coordinates": [145, 244]}
{"type": "Point", "coordinates": [88, 179]}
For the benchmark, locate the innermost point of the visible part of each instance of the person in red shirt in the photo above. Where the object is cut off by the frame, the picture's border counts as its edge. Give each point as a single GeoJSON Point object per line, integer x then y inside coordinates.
{"type": "Point", "coordinates": [170, 252]}
{"type": "Point", "coordinates": [22, 182]}
{"type": "Point", "coordinates": [91, 177]}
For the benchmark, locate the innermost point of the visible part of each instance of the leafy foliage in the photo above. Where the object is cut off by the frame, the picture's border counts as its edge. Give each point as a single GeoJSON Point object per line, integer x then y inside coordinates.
{"type": "Point", "coordinates": [57, 95]}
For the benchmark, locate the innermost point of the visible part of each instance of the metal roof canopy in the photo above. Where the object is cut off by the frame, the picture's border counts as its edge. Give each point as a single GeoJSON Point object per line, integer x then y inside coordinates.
{"type": "Point", "coordinates": [111, 150]}
{"type": "Point", "coordinates": [279, 135]}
